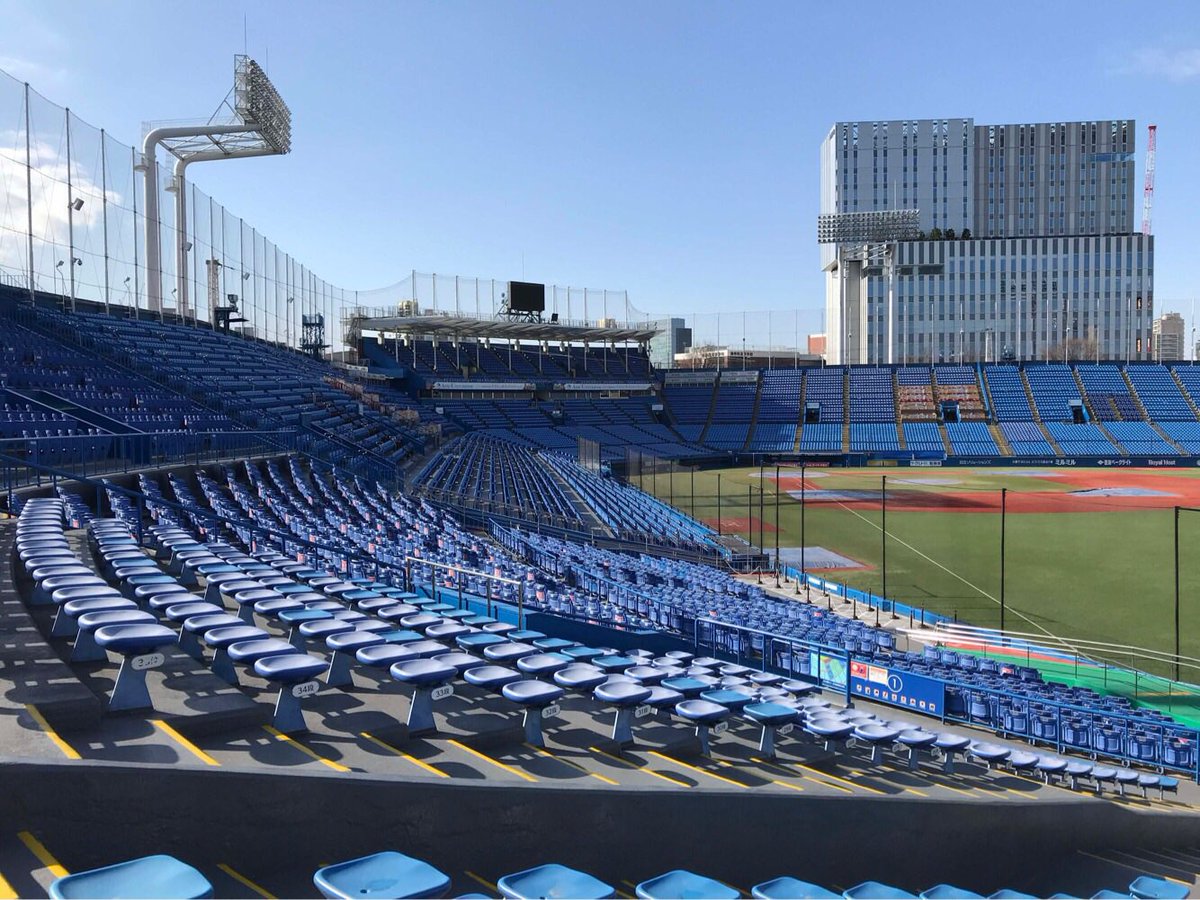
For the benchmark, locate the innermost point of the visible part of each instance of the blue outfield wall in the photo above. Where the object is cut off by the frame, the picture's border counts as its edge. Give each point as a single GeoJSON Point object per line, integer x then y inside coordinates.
{"type": "Point", "coordinates": [917, 460]}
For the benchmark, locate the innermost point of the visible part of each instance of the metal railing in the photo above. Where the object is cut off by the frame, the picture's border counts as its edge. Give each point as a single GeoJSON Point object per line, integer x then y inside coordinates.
{"type": "Point", "coordinates": [28, 460]}
{"type": "Point", "coordinates": [1097, 661]}
{"type": "Point", "coordinates": [1127, 737]}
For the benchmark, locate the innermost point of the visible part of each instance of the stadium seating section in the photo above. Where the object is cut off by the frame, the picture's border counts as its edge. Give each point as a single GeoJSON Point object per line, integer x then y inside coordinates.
{"type": "Point", "coordinates": [75, 382]}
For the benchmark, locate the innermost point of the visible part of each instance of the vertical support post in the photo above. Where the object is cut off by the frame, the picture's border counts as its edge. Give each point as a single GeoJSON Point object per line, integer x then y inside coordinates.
{"type": "Point", "coordinates": [803, 554]}
{"type": "Point", "coordinates": [1176, 593]}
{"type": "Point", "coordinates": [70, 212]}
{"type": "Point", "coordinates": [718, 504]}
{"type": "Point", "coordinates": [750, 514]}
{"type": "Point", "coordinates": [890, 251]}
{"type": "Point", "coordinates": [29, 194]}
{"type": "Point", "coordinates": [778, 565]}
{"type": "Point", "coordinates": [1003, 537]}
{"type": "Point", "coordinates": [762, 546]}
{"type": "Point", "coordinates": [883, 539]}
{"type": "Point", "coordinates": [104, 210]}
{"type": "Point", "coordinates": [137, 281]}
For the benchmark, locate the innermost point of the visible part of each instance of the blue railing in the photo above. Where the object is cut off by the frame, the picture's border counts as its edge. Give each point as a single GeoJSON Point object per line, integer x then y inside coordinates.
{"type": "Point", "coordinates": [1130, 738]}
{"type": "Point", "coordinates": [795, 657]}
{"type": "Point", "coordinates": [854, 595]}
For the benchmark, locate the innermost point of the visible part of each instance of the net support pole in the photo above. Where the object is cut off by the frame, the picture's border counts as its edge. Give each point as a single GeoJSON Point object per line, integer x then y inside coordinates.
{"type": "Point", "coordinates": [1176, 593]}
{"type": "Point", "coordinates": [1003, 535]}
{"type": "Point", "coordinates": [777, 562]}
{"type": "Point", "coordinates": [29, 198]}
{"type": "Point", "coordinates": [883, 542]}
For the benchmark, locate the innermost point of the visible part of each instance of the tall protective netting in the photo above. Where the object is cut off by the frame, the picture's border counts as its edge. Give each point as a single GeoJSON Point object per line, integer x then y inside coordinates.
{"type": "Point", "coordinates": [73, 223]}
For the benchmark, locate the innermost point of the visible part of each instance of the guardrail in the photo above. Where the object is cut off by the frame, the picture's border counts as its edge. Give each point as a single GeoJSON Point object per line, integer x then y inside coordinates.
{"type": "Point", "coordinates": [1129, 738]}
{"type": "Point", "coordinates": [111, 454]}
{"type": "Point", "coordinates": [1090, 660]}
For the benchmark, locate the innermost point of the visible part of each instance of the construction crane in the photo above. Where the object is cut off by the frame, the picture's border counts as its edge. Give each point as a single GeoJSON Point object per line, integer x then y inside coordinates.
{"type": "Point", "coordinates": [1148, 191]}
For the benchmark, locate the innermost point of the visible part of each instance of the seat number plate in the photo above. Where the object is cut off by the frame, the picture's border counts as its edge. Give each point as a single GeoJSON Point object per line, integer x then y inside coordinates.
{"type": "Point", "coordinates": [441, 693]}
{"type": "Point", "coordinates": [642, 711]}
{"type": "Point", "coordinates": [146, 661]}
{"type": "Point", "coordinates": [720, 728]}
{"type": "Point", "coordinates": [552, 710]}
{"type": "Point", "coordinates": [306, 689]}
{"type": "Point", "coordinates": [787, 729]}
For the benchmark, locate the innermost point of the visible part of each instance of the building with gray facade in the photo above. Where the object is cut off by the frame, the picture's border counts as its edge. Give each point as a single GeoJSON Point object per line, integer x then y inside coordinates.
{"type": "Point", "coordinates": [673, 337]}
{"type": "Point", "coordinates": [1170, 341]}
{"type": "Point", "coordinates": [1027, 247]}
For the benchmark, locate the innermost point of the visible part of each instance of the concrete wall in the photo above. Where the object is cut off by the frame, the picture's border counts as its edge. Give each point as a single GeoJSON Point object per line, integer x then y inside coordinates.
{"type": "Point", "coordinates": [286, 823]}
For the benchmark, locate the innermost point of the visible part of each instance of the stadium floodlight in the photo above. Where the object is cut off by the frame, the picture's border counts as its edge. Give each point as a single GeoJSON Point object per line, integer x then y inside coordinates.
{"type": "Point", "coordinates": [874, 227]}
{"type": "Point", "coordinates": [252, 120]}
{"type": "Point", "coordinates": [868, 236]}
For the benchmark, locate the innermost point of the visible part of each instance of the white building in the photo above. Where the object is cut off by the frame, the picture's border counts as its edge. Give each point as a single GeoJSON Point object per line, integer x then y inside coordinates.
{"type": "Point", "coordinates": [1028, 247]}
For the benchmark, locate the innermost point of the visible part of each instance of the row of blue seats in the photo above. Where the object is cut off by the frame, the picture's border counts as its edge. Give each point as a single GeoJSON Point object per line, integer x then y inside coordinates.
{"type": "Point", "coordinates": [391, 874]}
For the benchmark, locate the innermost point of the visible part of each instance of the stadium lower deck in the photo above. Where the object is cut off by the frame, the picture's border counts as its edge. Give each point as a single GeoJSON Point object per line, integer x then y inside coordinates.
{"type": "Point", "coordinates": [207, 778]}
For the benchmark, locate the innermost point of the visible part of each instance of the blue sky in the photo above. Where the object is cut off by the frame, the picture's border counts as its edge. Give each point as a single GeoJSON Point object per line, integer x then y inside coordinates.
{"type": "Point", "coordinates": [665, 148]}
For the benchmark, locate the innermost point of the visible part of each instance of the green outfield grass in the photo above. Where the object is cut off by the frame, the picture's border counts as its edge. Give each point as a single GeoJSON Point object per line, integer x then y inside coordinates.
{"type": "Point", "coordinates": [1102, 572]}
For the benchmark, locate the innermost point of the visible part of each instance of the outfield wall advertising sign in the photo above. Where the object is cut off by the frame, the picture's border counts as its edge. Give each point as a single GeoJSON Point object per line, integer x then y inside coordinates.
{"type": "Point", "coordinates": [884, 685]}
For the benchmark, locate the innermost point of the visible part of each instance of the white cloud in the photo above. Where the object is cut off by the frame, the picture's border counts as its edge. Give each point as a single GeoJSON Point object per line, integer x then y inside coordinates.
{"type": "Point", "coordinates": [1174, 64]}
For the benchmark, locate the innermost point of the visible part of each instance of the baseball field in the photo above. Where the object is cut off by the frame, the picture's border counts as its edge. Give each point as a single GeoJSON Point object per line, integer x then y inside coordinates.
{"type": "Point", "coordinates": [1089, 553]}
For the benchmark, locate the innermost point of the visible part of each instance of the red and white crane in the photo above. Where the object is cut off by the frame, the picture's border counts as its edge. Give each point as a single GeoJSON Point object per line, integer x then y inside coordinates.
{"type": "Point", "coordinates": [1148, 191]}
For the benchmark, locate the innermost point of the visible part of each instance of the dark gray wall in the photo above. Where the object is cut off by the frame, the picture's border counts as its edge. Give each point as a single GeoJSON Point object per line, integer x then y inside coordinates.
{"type": "Point", "coordinates": [289, 822]}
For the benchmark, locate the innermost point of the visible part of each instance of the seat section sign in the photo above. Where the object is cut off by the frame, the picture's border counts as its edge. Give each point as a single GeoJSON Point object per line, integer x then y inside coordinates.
{"type": "Point", "coordinates": [884, 685]}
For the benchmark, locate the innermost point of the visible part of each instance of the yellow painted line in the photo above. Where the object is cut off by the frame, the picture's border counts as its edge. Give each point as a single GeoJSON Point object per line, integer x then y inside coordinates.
{"type": "Point", "coordinates": [845, 781]}
{"type": "Point", "coordinates": [495, 762]}
{"type": "Point", "coordinates": [36, 714]}
{"type": "Point", "coordinates": [238, 876]}
{"type": "Point", "coordinates": [641, 768]}
{"type": "Point", "coordinates": [43, 855]}
{"type": "Point", "coordinates": [944, 783]}
{"type": "Point", "coordinates": [1117, 862]}
{"type": "Point", "coordinates": [836, 787]}
{"type": "Point", "coordinates": [6, 890]}
{"type": "Point", "coordinates": [697, 769]}
{"type": "Point", "coordinates": [1146, 863]}
{"type": "Point", "coordinates": [490, 885]}
{"type": "Point", "coordinates": [542, 751]}
{"type": "Point", "coordinates": [412, 759]}
{"type": "Point", "coordinates": [184, 742]}
{"type": "Point", "coordinates": [782, 771]}
{"type": "Point", "coordinates": [307, 751]}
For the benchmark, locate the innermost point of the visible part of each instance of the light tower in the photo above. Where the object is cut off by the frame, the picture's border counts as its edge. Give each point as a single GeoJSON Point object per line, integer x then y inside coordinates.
{"type": "Point", "coordinates": [865, 238]}
{"type": "Point", "coordinates": [252, 120]}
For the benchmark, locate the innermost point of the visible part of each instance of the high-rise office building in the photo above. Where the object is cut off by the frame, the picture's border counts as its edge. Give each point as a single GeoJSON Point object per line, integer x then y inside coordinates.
{"type": "Point", "coordinates": [673, 337]}
{"type": "Point", "coordinates": [1027, 246]}
{"type": "Point", "coordinates": [1168, 344]}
